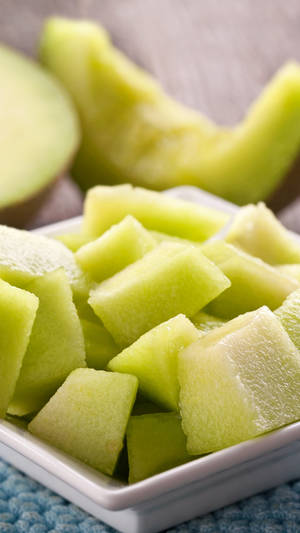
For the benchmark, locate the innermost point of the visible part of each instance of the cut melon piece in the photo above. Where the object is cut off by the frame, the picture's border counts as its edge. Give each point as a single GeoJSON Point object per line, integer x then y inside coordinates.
{"type": "Point", "coordinates": [169, 280]}
{"type": "Point", "coordinates": [290, 270]}
{"type": "Point", "coordinates": [155, 443]}
{"type": "Point", "coordinates": [121, 245]}
{"type": "Point", "coordinates": [88, 415]}
{"type": "Point", "coordinates": [161, 237]}
{"type": "Point", "coordinates": [289, 315]}
{"type": "Point", "coordinates": [253, 282]}
{"type": "Point", "coordinates": [153, 360]}
{"type": "Point", "coordinates": [17, 311]}
{"type": "Point", "coordinates": [238, 381]}
{"type": "Point", "coordinates": [56, 344]}
{"type": "Point", "coordinates": [205, 322]}
{"type": "Point", "coordinates": [73, 241]}
{"type": "Point", "coordinates": [256, 230]}
{"type": "Point", "coordinates": [39, 134]}
{"type": "Point", "coordinates": [105, 206]}
{"type": "Point", "coordinates": [100, 347]}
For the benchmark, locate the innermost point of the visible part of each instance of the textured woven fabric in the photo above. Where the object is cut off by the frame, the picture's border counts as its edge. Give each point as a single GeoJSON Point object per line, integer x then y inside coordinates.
{"type": "Point", "coordinates": [27, 507]}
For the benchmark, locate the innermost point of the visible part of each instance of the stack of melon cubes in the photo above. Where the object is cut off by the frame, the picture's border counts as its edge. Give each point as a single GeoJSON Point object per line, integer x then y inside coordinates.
{"type": "Point", "coordinates": [147, 328]}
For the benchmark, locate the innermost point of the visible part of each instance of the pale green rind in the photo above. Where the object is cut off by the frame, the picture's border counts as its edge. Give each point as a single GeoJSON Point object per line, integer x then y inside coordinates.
{"type": "Point", "coordinates": [88, 415]}
{"type": "Point", "coordinates": [169, 280]}
{"type": "Point", "coordinates": [17, 311]}
{"type": "Point", "coordinates": [153, 360]}
{"type": "Point", "coordinates": [155, 443]}
{"type": "Point", "coordinates": [100, 347]}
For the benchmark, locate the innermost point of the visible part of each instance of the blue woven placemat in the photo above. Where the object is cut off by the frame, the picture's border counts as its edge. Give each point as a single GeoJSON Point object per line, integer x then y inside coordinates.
{"type": "Point", "coordinates": [27, 507]}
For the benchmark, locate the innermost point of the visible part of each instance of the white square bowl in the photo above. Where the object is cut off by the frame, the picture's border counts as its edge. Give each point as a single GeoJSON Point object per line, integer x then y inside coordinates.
{"type": "Point", "coordinates": [179, 494]}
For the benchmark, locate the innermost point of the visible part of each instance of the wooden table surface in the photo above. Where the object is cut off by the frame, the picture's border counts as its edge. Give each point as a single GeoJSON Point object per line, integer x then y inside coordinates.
{"type": "Point", "coordinates": [214, 56]}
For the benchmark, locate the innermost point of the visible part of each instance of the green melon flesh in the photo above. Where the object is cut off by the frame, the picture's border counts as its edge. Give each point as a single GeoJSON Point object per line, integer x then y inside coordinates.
{"type": "Point", "coordinates": [133, 132]}
{"type": "Point", "coordinates": [253, 282]}
{"type": "Point", "coordinates": [153, 360]}
{"type": "Point", "coordinates": [39, 129]}
{"type": "Point", "coordinates": [56, 344]}
{"type": "Point", "coordinates": [155, 443]}
{"type": "Point", "coordinates": [73, 241]}
{"type": "Point", "coordinates": [100, 347]}
{"type": "Point", "coordinates": [289, 315]}
{"type": "Point", "coordinates": [17, 311]}
{"type": "Point", "coordinates": [290, 270]}
{"type": "Point", "coordinates": [105, 206]}
{"type": "Point", "coordinates": [121, 245]}
{"type": "Point", "coordinates": [161, 237]}
{"type": "Point", "coordinates": [257, 231]}
{"type": "Point", "coordinates": [169, 280]}
{"type": "Point", "coordinates": [205, 322]}
{"type": "Point", "coordinates": [238, 381]}
{"type": "Point", "coordinates": [88, 415]}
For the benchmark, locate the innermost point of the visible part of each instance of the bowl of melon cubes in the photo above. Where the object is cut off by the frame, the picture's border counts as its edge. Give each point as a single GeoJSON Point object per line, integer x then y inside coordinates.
{"type": "Point", "coordinates": [157, 333]}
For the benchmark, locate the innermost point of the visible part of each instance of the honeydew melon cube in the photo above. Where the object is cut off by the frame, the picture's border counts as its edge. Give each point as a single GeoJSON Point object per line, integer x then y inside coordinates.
{"type": "Point", "coordinates": [238, 381]}
{"type": "Point", "coordinates": [155, 443]}
{"type": "Point", "coordinates": [17, 314]}
{"type": "Point", "coordinates": [88, 415]}
{"type": "Point", "coordinates": [289, 315]}
{"type": "Point", "coordinates": [153, 360]}
{"type": "Point", "coordinates": [73, 241]}
{"type": "Point", "coordinates": [56, 344]}
{"type": "Point", "coordinates": [253, 282]}
{"type": "Point", "coordinates": [205, 322]}
{"type": "Point", "coordinates": [169, 280]}
{"type": "Point", "coordinates": [119, 246]}
{"type": "Point", "coordinates": [100, 347]}
{"type": "Point", "coordinates": [257, 231]}
{"type": "Point", "coordinates": [292, 270]}
{"type": "Point", "coordinates": [105, 206]}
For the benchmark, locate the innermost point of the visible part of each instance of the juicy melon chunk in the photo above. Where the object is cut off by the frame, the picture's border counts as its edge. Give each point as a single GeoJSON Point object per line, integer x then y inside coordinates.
{"type": "Point", "coordinates": [253, 282]}
{"type": "Point", "coordinates": [153, 360]}
{"type": "Point", "coordinates": [289, 315]}
{"type": "Point", "coordinates": [205, 322]}
{"type": "Point", "coordinates": [100, 347]}
{"type": "Point", "coordinates": [88, 415]}
{"type": "Point", "coordinates": [257, 231]}
{"type": "Point", "coordinates": [169, 280]}
{"type": "Point", "coordinates": [121, 245]}
{"type": "Point", "coordinates": [17, 311]}
{"type": "Point", "coordinates": [155, 443]}
{"type": "Point", "coordinates": [105, 206]}
{"type": "Point", "coordinates": [73, 241]}
{"type": "Point", "coordinates": [238, 381]}
{"type": "Point", "coordinates": [56, 344]}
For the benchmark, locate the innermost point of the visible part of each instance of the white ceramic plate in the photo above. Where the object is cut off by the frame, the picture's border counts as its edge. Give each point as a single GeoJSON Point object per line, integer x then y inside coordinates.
{"type": "Point", "coordinates": [174, 496]}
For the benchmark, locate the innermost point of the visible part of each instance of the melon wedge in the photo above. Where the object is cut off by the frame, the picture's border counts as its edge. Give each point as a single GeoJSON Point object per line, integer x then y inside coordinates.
{"type": "Point", "coordinates": [56, 344]}
{"type": "Point", "coordinates": [153, 360]}
{"type": "Point", "coordinates": [155, 443]}
{"type": "Point", "coordinates": [73, 241]}
{"type": "Point", "coordinates": [238, 381]}
{"type": "Point", "coordinates": [39, 134]}
{"type": "Point", "coordinates": [169, 280]}
{"type": "Point", "coordinates": [100, 347]}
{"type": "Point", "coordinates": [289, 315]}
{"type": "Point", "coordinates": [87, 417]}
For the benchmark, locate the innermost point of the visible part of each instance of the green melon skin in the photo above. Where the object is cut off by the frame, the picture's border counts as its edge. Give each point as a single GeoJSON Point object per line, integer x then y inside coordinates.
{"type": "Point", "coordinates": [153, 360]}
{"type": "Point", "coordinates": [73, 241]}
{"type": "Point", "coordinates": [257, 231]}
{"type": "Point", "coordinates": [123, 244]}
{"type": "Point", "coordinates": [169, 280]}
{"type": "Point", "coordinates": [88, 415]}
{"type": "Point", "coordinates": [133, 132]}
{"type": "Point", "coordinates": [100, 347]}
{"type": "Point", "coordinates": [205, 322]}
{"type": "Point", "coordinates": [56, 344]}
{"type": "Point", "coordinates": [253, 282]}
{"type": "Point", "coordinates": [155, 443]}
{"type": "Point", "coordinates": [238, 381]}
{"type": "Point", "coordinates": [289, 316]}
{"type": "Point", "coordinates": [105, 206]}
{"type": "Point", "coordinates": [39, 129]}
{"type": "Point", "coordinates": [17, 311]}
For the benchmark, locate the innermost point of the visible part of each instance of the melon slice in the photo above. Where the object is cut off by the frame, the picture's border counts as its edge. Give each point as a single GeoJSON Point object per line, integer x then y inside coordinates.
{"type": "Point", "coordinates": [87, 417]}
{"type": "Point", "coordinates": [105, 206]}
{"type": "Point", "coordinates": [289, 315]}
{"type": "Point", "coordinates": [100, 347]}
{"type": "Point", "coordinates": [56, 344]}
{"type": "Point", "coordinates": [205, 322]}
{"type": "Point", "coordinates": [73, 241]}
{"type": "Point", "coordinates": [153, 360]}
{"type": "Point", "coordinates": [121, 245]}
{"type": "Point", "coordinates": [155, 443]}
{"type": "Point", "coordinates": [253, 282]}
{"type": "Point", "coordinates": [256, 230]}
{"type": "Point", "coordinates": [169, 280]}
{"type": "Point", "coordinates": [17, 310]}
{"type": "Point", "coordinates": [238, 381]}
{"type": "Point", "coordinates": [39, 134]}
